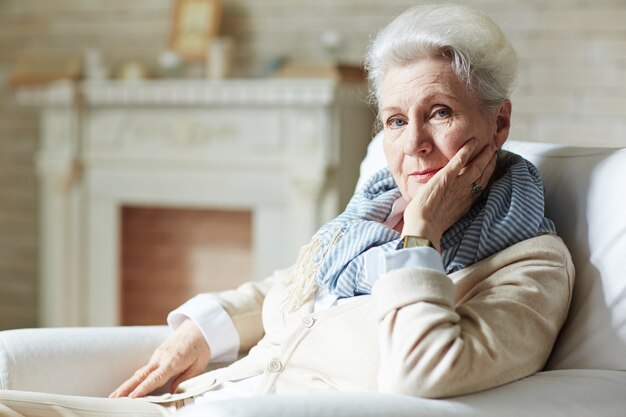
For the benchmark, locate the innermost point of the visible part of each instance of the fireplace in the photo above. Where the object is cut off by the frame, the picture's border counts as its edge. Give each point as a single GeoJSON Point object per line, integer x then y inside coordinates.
{"type": "Point", "coordinates": [277, 158]}
{"type": "Point", "coordinates": [168, 255]}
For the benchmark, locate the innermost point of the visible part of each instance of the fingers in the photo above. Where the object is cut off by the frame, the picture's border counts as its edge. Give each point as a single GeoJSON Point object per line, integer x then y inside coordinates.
{"type": "Point", "coordinates": [189, 373]}
{"type": "Point", "coordinates": [481, 166]}
{"type": "Point", "coordinates": [487, 171]}
{"type": "Point", "coordinates": [157, 378]}
{"type": "Point", "coordinates": [460, 160]}
{"type": "Point", "coordinates": [130, 384]}
{"type": "Point", "coordinates": [146, 379]}
{"type": "Point", "coordinates": [471, 166]}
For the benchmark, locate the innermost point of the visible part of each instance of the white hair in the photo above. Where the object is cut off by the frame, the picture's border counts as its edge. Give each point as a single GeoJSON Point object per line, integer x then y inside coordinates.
{"type": "Point", "coordinates": [479, 53]}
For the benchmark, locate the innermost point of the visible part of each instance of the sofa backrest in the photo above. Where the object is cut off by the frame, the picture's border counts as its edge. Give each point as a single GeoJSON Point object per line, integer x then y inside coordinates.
{"type": "Point", "coordinates": [586, 198]}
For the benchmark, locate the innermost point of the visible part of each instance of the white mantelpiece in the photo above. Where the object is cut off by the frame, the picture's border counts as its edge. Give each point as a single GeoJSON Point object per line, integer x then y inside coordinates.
{"type": "Point", "coordinates": [288, 150]}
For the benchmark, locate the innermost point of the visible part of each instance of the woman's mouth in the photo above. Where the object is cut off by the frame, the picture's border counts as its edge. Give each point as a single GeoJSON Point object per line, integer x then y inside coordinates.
{"type": "Point", "coordinates": [423, 176]}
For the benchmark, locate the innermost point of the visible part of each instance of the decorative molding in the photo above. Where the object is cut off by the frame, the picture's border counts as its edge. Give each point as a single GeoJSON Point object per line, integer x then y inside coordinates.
{"type": "Point", "coordinates": [61, 93]}
{"type": "Point", "coordinates": [185, 93]}
{"type": "Point", "coordinates": [193, 132]}
{"type": "Point", "coordinates": [224, 93]}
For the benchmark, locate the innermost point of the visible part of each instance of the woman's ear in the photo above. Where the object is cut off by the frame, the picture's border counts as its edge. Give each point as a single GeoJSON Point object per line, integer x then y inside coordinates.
{"type": "Point", "coordinates": [503, 123]}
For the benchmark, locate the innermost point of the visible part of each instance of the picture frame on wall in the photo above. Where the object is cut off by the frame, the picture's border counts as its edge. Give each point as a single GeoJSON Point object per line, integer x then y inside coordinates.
{"type": "Point", "coordinates": [195, 23]}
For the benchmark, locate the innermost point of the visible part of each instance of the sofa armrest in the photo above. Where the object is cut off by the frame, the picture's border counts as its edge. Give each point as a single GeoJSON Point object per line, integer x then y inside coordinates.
{"type": "Point", "coordinates": [90, 361]}
{"type": "Point", "coordinates": [574, 392]}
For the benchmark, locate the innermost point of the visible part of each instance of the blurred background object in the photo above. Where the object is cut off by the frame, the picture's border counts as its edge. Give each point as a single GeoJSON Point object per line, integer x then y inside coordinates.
{"type": "Point", "coordinates": [38, 68]}
{"type": "Point", "coordinates": [571, 85]}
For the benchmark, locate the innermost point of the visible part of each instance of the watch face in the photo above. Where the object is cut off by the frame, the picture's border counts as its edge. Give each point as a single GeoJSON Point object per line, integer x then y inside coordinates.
{"type": "Point", "coordinates": [415, 241]}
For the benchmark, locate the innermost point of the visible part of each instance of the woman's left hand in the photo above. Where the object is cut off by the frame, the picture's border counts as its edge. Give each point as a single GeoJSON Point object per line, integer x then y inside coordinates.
{"type": "Point", "coordinates": [447, 196]}
{"type": "Point", "coordinates": [184, 354]}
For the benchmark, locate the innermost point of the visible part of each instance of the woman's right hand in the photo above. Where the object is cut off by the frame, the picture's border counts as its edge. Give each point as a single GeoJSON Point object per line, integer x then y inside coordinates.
{"type": "Point", "coordinates": [183, 355]}
{"type": "Point", "coordinates": [447, 196]}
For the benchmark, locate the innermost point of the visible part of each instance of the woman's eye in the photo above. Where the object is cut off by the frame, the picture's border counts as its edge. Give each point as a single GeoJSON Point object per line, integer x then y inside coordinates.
{"type": "Point", "coordinates": [442, 113]}
{"type": "Point", "coordinates": [396, 122]}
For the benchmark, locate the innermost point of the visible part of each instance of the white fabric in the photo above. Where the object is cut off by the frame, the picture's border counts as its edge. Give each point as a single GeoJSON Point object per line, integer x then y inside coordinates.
{"type": "Point", "coordinates": [216, 326]}
{"type": "Point", "coordinates": [230, 389]}
{"type": "Point", "coordinates": [89, 361]}
{"type": "Point", "coordinates": [377, 262]}
{"type": "Point", "coordinates": [373, 161]}
{"type": "Point", "coordinates": [249, 387]}
{"type": "Point", "coordinates": [547, 394]}
{"type": "Point", "coordinates": [586, 197]}
{"type": "Point", "coordinates": [397, 212]}
{"type": "Point", "coordinates": [62, 361]}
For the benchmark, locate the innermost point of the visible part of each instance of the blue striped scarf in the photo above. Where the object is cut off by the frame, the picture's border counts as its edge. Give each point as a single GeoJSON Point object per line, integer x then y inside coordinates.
{"type": "Point", "coordinates": [511, 210]}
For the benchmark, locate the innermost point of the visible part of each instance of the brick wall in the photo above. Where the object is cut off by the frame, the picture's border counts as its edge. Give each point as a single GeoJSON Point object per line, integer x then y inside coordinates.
{"type": "Point", "coordinates": [189, 244]}
{"type": "Point", "coordinates": [571, 88]}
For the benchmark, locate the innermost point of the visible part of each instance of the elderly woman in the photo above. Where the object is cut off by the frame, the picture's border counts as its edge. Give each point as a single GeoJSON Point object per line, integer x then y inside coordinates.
{"type": "Point", "coordinates": [441, 278]}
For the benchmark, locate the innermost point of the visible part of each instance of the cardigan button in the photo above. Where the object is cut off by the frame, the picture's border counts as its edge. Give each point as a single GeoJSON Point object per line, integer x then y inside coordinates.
{"type": "Point", "coordinates": [274, 365]}
{"type": "Point", "coordinates": [308, 321]}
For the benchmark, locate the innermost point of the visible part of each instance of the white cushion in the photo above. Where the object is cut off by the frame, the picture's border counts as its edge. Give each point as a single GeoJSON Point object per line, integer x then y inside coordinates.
{"type": "Point", "coordinates": [89, 361]}
{"type": "Point", "coordinates": [547, 394]}
{"type": "Point", "coordinates": [373, 161]}
{"type": "Point", "coordinates": [586, 198]}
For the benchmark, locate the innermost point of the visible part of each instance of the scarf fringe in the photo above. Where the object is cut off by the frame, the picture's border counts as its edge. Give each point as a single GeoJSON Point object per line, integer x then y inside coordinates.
{"type": "Point", "coordinates": [301, 285]}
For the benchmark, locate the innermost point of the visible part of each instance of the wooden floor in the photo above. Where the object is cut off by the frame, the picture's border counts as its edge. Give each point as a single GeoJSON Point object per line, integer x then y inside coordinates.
{"type": "Point", "coordinates": [170, 254]}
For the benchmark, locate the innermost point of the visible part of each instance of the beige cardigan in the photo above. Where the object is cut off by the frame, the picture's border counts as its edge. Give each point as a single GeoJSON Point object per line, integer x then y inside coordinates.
{"type": "Point", "coordinates": [420, 333]}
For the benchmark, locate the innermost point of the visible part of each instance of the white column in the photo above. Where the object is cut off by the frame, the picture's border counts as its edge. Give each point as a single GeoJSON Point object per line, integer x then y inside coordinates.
{"type": "Point", "coordinates": [61, 217]}
{"type": "Point", "coordinates": [103, 266]}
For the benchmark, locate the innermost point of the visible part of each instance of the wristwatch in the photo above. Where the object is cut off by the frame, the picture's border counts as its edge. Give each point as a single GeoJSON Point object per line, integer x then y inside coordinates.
{"type": "Point", "coordinates": [415, 242]}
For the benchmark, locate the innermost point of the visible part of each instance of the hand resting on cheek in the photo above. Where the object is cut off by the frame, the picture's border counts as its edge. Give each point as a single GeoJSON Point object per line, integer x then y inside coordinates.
{"type": "Point", "coordinates": [447, 196]}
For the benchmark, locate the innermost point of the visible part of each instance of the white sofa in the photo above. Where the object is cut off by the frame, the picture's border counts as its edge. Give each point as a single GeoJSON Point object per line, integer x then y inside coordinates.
{"type": "Point", "coordinates": [585, 376]}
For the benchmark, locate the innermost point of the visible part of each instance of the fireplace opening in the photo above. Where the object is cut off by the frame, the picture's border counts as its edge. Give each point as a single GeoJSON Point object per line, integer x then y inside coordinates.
{"type": "Point", "coordinates": [168, 255]}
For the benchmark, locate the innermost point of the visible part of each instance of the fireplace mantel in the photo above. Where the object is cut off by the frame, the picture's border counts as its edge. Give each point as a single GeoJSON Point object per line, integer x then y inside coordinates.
{"type": "Point", "coordinates": [287, 150]}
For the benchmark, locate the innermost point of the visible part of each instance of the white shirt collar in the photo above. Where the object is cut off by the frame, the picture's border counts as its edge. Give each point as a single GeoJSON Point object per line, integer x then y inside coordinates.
{"type": "Point", "coordinates": [397, 211]}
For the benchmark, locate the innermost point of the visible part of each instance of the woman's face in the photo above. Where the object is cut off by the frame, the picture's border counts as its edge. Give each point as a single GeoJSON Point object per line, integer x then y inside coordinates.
{"type": "Point", "coordinates": [428, 115]}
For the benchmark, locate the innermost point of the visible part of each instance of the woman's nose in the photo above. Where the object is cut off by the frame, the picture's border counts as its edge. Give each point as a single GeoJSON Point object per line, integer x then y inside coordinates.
{"type": "Point", "coordinates": [418, 141]}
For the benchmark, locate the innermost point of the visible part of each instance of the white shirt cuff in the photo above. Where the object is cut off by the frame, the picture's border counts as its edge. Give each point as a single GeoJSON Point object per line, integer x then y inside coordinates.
{"type": "Point", "coordinates": [214, 323]}
{"type": "Point", "coordinates": [377, 262]}
{"type": "Point", "coordinates": [419, 257]}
